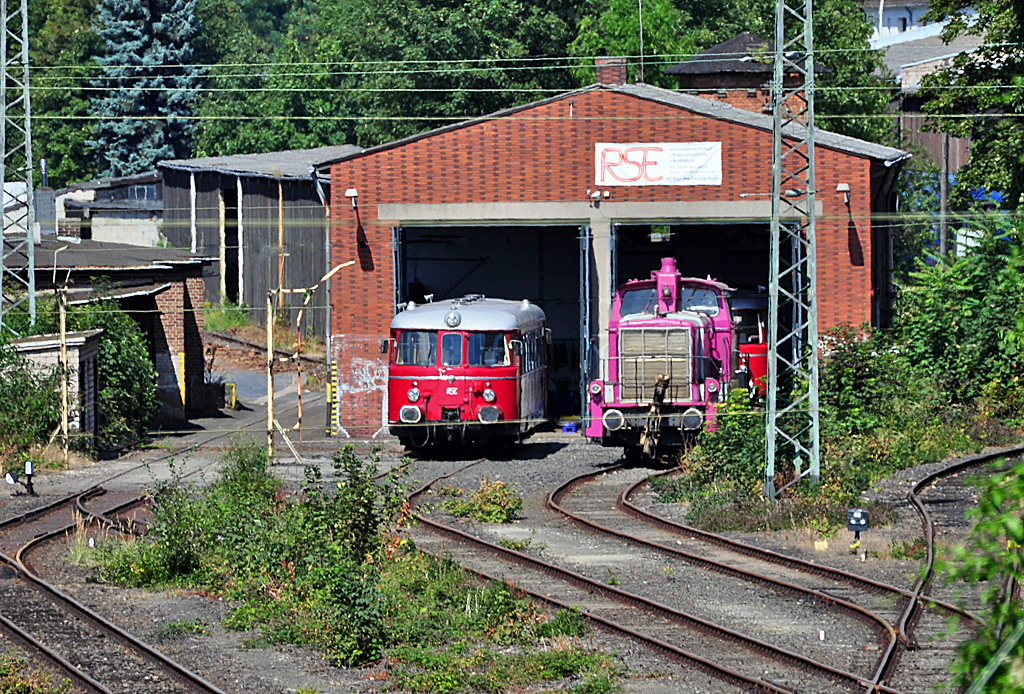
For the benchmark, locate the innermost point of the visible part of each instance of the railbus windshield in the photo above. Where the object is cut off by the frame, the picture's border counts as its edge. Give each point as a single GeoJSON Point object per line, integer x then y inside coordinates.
{"type": "Point", "coordinates": [416, 348]}
{"type": "Point", "coordinates": [451, 349]}
{"type": "Point", "coordinates": [488, 349]}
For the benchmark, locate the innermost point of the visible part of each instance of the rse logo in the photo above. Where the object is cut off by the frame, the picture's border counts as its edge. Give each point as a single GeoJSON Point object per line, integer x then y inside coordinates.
{"type": "Point", "coordinates": [454, 390]}
{"type": "Point", "coordinates": [628, 165]}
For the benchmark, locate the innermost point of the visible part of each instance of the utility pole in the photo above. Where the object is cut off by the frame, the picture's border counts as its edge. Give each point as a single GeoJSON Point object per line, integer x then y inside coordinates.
{"type": "Point", "coordinates": [270, 376]}
{"type": "Point", "coordinates": [793, 426]}
{"type": "Point", "coordinates": [18, 275]}
{"type": "Point", "coordinates": [944, 198]}
{"type": "Point", "coordinates": [62, 305]}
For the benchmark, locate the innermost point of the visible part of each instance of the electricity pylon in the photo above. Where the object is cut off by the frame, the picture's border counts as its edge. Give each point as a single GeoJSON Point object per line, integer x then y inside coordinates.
{"type": "Point", "coordinates": [793, 427]}
{"type": "Point", "coordinates": [18, 279]}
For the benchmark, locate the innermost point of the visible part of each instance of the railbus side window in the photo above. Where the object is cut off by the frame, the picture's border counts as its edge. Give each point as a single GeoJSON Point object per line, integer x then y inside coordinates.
{"type": "Point", "coordinates": [416, 348]}
{"type": "Point", "coordinates": [451, 349]}
{"type": "Point", "coordinates": [487, 349]}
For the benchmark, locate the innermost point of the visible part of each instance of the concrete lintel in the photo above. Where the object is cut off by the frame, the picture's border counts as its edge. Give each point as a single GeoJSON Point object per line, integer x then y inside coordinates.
{"type": "Point", "coordinates": [578, 212]}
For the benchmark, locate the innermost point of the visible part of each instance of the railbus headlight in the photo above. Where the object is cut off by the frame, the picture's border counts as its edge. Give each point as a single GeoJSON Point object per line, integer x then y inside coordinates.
{"type": "Point", "coordinates": [413, 394]}
{"type": "Point", "coordinates": [595, 388]}
{"type": "Point", "coordinates": [488, 415]}
{"type": "Point", "coordinates": [410, 414]}
{"type": "Point", "coordinates": [489, 395]}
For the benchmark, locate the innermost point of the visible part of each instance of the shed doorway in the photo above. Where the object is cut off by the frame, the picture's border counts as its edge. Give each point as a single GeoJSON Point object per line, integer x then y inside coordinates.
{"type": "Point", "coordinates": [736, 254]}
{"type": "Point", "coordinates": [539, 263]}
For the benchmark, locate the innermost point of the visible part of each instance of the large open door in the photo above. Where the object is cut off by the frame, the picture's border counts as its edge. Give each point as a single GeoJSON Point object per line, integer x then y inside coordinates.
{"type": "Point", "coordinates": [539, 263]}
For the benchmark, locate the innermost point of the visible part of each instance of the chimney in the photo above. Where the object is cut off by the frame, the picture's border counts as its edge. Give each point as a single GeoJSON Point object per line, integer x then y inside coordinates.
{"type": "Point", "coordinates": [611, 69]}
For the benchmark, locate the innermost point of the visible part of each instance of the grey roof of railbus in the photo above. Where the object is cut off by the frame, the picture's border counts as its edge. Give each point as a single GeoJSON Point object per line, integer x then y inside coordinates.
{"type": "Point", "coordinates": [480, 315]}
{"type": "Point", "coordinates": [695, 104]}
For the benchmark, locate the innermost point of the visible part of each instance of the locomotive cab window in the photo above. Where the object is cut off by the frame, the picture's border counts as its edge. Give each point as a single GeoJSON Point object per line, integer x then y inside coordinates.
{"type": "Point", "coordinates": [638, 301]}
{"type": "Point", "coordinates": [451, 349]}
{"type": "Point", "coordinates": [487, 349]}
{"type": "Point", "coordinates": [699, 300]}
{"type": "Point", "coordinates": [416, 348]}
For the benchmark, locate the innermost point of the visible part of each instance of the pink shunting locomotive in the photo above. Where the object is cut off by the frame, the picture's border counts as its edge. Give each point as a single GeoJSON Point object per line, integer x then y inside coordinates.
{"type": "Point", "coordinates": [470, 369]}
{"type": "Point", "coordinates": [671, 357]}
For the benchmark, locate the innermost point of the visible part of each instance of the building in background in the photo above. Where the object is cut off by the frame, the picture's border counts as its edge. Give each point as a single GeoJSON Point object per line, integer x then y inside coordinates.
{"type": "Point", "coordinates": [126, 210]}
{"type": "Point", "coordinates": [263, 217]}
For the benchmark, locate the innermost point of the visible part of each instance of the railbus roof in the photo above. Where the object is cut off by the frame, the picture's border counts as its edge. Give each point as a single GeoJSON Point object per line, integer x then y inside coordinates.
{"type": "Point", "coordinates": [475, 313]}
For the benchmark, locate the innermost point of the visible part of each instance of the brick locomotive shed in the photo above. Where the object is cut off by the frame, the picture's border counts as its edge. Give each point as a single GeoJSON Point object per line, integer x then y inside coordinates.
{"type": "Point", "coordinates": [510, 205]}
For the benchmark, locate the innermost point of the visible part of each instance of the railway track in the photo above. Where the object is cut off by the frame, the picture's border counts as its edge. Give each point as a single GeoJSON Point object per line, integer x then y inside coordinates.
{"type": "Point", "coordinates": [94, 653]}
{"type": "Point", "coordinates": [925, 645]}
{"type": "Point", "coordinates": [749, 663]}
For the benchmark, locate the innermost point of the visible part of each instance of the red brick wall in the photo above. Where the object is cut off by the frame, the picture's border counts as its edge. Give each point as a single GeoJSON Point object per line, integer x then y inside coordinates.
{"type": "Point", "coordinates": [542, 154]}
{"type": "Point", "coordinates": [179, 331]}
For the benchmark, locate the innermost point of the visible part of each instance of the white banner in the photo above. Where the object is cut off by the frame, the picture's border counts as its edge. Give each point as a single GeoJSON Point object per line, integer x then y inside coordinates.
{"type": "Point", "coordinates": [658, 164]}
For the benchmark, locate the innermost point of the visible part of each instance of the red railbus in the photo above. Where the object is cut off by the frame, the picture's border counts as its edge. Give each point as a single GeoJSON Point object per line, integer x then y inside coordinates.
{"type": "Point", "coordinates": [467, 370]}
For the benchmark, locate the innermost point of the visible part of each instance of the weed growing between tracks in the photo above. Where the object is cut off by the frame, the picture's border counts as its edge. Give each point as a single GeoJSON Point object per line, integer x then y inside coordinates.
{"type": "Point", "coordinates": [493, 502]}
{"type": "Point", "coordinates": [15, 680]}
{"type": "Point", "coordinates": [326, 568]}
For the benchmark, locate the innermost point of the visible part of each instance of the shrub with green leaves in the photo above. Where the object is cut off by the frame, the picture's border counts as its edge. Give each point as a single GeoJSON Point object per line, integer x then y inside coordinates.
{"type": "Point", "coordinates": [991, 558]}
{"type": "Point", "coordinates": [29, 403]}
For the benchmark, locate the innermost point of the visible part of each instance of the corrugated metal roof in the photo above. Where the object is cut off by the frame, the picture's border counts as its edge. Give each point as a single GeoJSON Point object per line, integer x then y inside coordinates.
{"type": "Point", "coordinates": [278, 165]}
{"type": "Point", "coordinates": [688, 102]}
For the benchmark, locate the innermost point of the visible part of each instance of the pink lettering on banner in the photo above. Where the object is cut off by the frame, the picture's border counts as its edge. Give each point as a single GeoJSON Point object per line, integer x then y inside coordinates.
{"type": "Point", "coordinates": [607, 165]}
{"type": "Point", "coordinates": [627, 167]}
{"type": "Point", "coordinates": [658, 163]}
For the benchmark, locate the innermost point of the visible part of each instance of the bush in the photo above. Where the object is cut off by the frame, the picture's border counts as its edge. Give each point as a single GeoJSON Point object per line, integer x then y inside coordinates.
{"type": "Point", "coordinates": [29, 404]}
{"type": "Point", "coordinates": [127, 377]}
{"type": "Point", "coordinates": [224, 317]}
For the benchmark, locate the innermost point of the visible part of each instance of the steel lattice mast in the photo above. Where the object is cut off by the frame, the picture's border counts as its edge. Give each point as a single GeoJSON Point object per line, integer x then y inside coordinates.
{"type": "Point", "coordinates": [793, 427]}
{"type": "Point", "coordinates": [18, 279]}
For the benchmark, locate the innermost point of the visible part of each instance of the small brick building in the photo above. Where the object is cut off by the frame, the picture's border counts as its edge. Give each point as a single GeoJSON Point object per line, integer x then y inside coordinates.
{"type": "Point", "coordinates": [83, 350]}
{"type": "Point", "coordinates": [528, 203]}
{"type": "Point", "coordinates": [161, 288]}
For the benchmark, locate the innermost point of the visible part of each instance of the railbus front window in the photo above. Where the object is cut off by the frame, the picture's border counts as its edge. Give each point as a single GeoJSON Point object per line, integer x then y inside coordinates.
{"type": "Point", "coordinates": [451, 349]}
{"type": "Point", "coordinates": [487, 349]}
{"type": "Point", "coordinates": [416, 348]}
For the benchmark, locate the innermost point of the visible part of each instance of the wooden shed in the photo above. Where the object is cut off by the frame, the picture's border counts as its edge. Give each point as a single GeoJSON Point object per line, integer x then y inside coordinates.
{"type": "Point", "coordinates": [266, 217]}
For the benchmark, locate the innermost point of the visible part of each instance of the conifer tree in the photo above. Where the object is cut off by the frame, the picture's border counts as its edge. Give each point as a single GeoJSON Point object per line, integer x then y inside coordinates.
{"type": "Point", "coordinates": [149, 84]}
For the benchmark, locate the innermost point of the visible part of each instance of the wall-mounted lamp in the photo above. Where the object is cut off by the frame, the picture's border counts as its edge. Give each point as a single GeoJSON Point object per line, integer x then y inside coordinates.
{"type": "Point", "coordinates": [844, 188]}
{"type": "Point", "coordinates": [353, 194]}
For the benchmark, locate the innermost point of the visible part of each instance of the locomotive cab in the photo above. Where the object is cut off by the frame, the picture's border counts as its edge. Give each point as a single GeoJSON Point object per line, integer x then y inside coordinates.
{"type": "Point", "coordinates": [671, 358]}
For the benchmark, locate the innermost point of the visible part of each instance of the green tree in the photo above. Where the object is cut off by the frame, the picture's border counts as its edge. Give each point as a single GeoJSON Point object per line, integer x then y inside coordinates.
{"type": "Point", "coordinates": [992, 556]}
{"type": "Point", "coordinates": [612, 27]}
{"type": "Point", "coordinates": [62, 52]}
{"type": "Point", "coordinates": [981, 96]}
{"type": "Point", "coordinates": [962, 320]}
{"type": "Point", "coordinates": [147, 86]}
{"type": "Point", "coordinates": [29, 403]}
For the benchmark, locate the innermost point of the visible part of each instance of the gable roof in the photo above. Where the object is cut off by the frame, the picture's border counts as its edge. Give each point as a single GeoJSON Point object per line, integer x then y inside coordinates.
{"type": "Point", "coordinates": [290, 164]}
{"type": "Point", "coordinates": [688, 102]}
{"type": "Point", "coordinates": [744, 52]}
